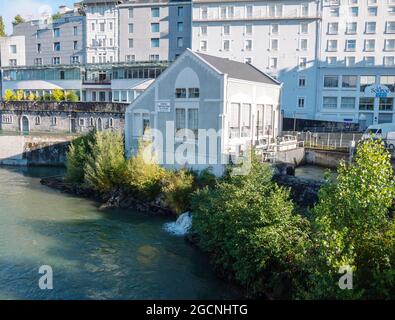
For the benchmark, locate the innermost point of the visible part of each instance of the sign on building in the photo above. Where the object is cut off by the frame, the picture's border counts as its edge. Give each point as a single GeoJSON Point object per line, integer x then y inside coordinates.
{"type": "Point", "coordinates": [163, 107]}
{"type": "Point", "coordinates": [377, 91]}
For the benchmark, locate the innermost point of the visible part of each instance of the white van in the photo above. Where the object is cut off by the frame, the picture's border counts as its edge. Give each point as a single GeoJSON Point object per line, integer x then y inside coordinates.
{"type": "Point", "coordinates": [390, 141]}
{"type": "Point", "coordinates": [379, 131]}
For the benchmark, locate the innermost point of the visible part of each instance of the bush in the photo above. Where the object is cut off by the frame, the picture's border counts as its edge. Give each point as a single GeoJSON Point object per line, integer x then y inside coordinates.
{"type": "Point", "coordinates": [31, 97]}
{"type": "Point", "coordinates": [57, 95]}
{"type": "Point", "coordinates": [353, 228]}
{"type": "Point", "coordinates": [105, 166]}
{"type": "Point", "coordinates": [177, 188]}
{"type": "Point", "coordinates": [9, 95]}
{"type": "Point", "coordinates": [77, 156]}
{"type": "Point", "coordinates": [143, 175]}
{"type": "Point", "coordinates": [72, 96]}
{"type": "Point", "coordinates": [248, 227]}
{"type": "Point", "coordinates": [19, 95]}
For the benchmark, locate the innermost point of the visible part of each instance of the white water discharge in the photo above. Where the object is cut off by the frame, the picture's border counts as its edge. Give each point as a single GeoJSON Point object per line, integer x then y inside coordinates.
{"type": "Point", "coordinates": [182, 226]}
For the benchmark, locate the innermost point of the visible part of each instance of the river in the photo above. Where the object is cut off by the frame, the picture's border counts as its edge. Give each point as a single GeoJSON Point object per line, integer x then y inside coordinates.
{"type": "Point", "coordinates": [94, 254]}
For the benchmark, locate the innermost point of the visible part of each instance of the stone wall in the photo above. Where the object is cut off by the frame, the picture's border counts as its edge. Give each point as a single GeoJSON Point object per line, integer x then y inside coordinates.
{"type": "Point", "coordinates": [34, 150]}
{"type": "Point", "coordinates": [325, 158]}
{"type": "Point", "coordinates": [63, 117]}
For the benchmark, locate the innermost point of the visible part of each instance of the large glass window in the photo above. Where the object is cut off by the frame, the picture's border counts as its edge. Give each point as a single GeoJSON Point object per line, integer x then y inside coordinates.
{"type": "Point", "coordinates": [246, 120]}
{"type": "Point", "coordinates": [385, 118]}
{"type": "Point", "coordinates": [366, 104]}
{"type": "Point", "coordinates": [349, 81]}
{"type": "Point", "coordinates": [347, 103]}
{"type": "Point", "coordinates": [329, 102]}
{"type": "Point", "coordinates": [386, 104]}
{"type": "Point", "coordinates": [366, 81]}
{"type": "Point", "coordinates": [331, 81]}
{"type": "Point", "coordinates": [155, 12]}
{"type": "Point", "coordinates": [389, 82]}
{"type": "Point", "coordinates": [234, 121]}
{"type": "Point", "coordinates": [181, 93]}
{"type": "Point", "coordinates": [180, 119]}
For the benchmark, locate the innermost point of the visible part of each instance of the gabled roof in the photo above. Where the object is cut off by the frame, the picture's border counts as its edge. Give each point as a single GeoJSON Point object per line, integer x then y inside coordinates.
{"type": "Point", "coordinates": [237, 70]}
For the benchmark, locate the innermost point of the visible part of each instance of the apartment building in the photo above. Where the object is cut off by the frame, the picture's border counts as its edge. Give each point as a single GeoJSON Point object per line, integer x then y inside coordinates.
{"type": "Point", "coordinates": [12, 51]}
{"type": "Point", "coordinates": [278, 37]}
{"type": "Point", "coordinates": [102, 30]}
{"type": "Point", "coordinates": [356, 74]}
{"type": "Point", "coordinates": [154, 30]}
{"type": "Point", "coordinates": [54, 42]}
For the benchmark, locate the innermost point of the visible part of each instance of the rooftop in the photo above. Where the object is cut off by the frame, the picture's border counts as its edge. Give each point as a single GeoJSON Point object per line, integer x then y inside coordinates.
{"type": "Point", "coordinates": [237, 70]}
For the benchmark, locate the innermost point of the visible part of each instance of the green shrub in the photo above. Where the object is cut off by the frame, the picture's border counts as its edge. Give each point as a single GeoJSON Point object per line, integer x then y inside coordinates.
{"type": "Point", "coordinates": [105, 166]}
{"type": "Point", "coordinates": [143, 175]}
{"type": "Point", "coordinates": [72, 96]}
{"type": "Point", "coordinates": [248, 227]}
{"type": "Point", "coordinates": [353, 228]}
{"type": "Point", "coordinates": [31, 97]}
{"type": "Point", "coordinates": [19, 95]}
{"type": "Point", "coordinates": [177, 188]}
{"type": "Point", "coordinates": [77, 155]}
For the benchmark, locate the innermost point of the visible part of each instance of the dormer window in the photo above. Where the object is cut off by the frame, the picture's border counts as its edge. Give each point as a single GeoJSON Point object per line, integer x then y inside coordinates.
{"type": "Point", "coordinates": [181, 93]}
{"type": "Point", "coordinates": [194, 92]}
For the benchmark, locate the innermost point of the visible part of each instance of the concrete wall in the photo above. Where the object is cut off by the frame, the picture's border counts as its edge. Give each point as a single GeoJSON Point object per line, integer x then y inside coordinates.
{"type": "Point", "coordinates": [327, 159]}
{"type": "Point", "coordinates": [34, 151]}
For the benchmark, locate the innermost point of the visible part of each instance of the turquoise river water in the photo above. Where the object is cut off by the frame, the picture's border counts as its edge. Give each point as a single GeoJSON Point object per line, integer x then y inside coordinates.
{"type": "Point", "coordinates": [94, 254]}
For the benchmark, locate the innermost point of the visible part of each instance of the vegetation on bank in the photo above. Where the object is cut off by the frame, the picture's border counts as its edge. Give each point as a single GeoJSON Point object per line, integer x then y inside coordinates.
{"type": "Point", "coordinates": [97, 161]}
{"type": "Point", "coordinates": [250, 227]}
{"type": "Point", "coordinates": [57, 95]}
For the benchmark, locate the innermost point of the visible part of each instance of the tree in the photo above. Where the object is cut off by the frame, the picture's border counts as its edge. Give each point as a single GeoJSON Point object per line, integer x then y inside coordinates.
{"type": "Point", "coordinates": [18, 19]}
{"type": "Point", "coordinates": [71, 96]}
{"type": "Point", "coordinates": [57, 95]}
{"type": "Point", "coordinates": [19, 95]}
{"type": "Point", "coordinates": [2, 27]}
{"type": "Point", "coordinates": [9, 95]}
{"type": "Point", "coordinates": [248, 226]}
{"type": "Point", "coordinates": [31, 97]}
{"type": "Point", "coordinates": [353, 228]}
{"type": "Point", "coordinates": [56, 16]}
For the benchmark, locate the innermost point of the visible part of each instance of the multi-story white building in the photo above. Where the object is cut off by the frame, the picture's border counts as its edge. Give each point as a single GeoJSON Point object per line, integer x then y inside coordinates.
{"type": "Point", "coordinates": [278, 37]}
{"type": "Point", "coordinates": [356, 72]}
{"type": "Point", "coordinates": [326, 52]}
{"type": "Point", "coordinates": [12, 51]}
{"type": "Point", "coordinates": [102, 33]}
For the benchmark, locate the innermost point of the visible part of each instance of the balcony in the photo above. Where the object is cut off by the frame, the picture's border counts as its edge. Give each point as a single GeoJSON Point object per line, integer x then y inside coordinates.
{"type": "Point", "coordinates": [294, 14]}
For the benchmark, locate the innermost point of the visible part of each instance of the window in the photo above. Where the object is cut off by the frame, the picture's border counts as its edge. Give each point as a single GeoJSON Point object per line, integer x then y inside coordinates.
{"type": "Point", "coordinates": [249, 11]}
{"type": "Point", "coordinates": [391, 10]}
{"type": "Point", "coordinates": [111, 123]}
{"type": "Point", "coordinates": [332, 45]}
{"type": "Point", "coordinates": [203, 45]}
{"type": "Point", "coordinates": [131, 27]}
{"type": "Point", "coordinates": [130, 43]}
{"type": "Point", "coordinates": [370, 45]}
{"type": "Point", "coordinates": [39, 34]}
{"type": "Point", "coordinates": [366, 104]}
{"type": "Point", "coordinates": [155, 42]}
{"type": "Point", "coordinates": [56, 32]}
{"type": "Point", "coordinates": [369, 60]}
{"type": "Point", "coordinates": [102, 27]}
{"type": "Point", "coordinates": [304, 28]}
{"type": "Point", "coordinates": [329, 103]}
{"type": "Point", "coordinates": [180, 26]}
{"type": "Point", "coordinates": [245, 120]}
{"type": "Point", "coordinates": [386, 104]}
{"type": "Point", "coordinates": [304, 10]}
{"type": "Point", "coordinates": [303, 44]}
{"type": "Point", "coordinates": [333, 28]}
{"type": "Point", "coordinates": [75, 45]}
{"type": "Point", "coordinates": [81, 122]}
{"type": "Point", "coordinates": [349, 81]}
{"type": "Point", "coordinates": [350, 61]}
{"type": "Point", "coordinates": [155, 12]}
{"type": "Point", "coordinates": [194, 92]}
{"type": "Point", "coordinates": [273, 62]}
{"type": "Point", "coordinates": [94, 96]}
{"type": "Point", "coordinates": [180, 119]}
{"type": "Point", "coordinates": [388, 81]}
{"type": "Point", "coordinates": [354, 11]}
{"type": "Point", "coordinates": [130, 58]}
{"type": "Point", "coordinates": [390, 27]}
{"type": "Point", "coordinates": [331, 81]}
{"type": "Point", "coordinates": [366, 81]}
{"type": "Point", "coordinates": [180, 11]}
{"type": "Point", "coordinates": [302, 62]}
{"type": "Point", "coordinates": [13, 49]}
{"type": "Point", "coordinates": [204, 12]}
{"type": "Point", "coordinates": [370, 27]}
{"type": "Point", "coordinates": [347, 103]}
{"type": "Point", "coordinates": [248, 45]}
{"type": "Point", "coordinates": [248, 60]}
{"type": "Point", "coordinates": [56, 46]}
{"type": "Point", "coordinates": [155, 27]}
{"type": "Point", "coordinates": [248, 29]}
{"type": "Point", "coordinates": [302, 82]}
{"type": "Point", "coordinates": [351, 45]}
{"type": "Point", "coordinates": [301, 102]}
{"type": "Point", "coordinates": [12, 62]}
{"type": "Point", "coordinates": [274, 28]}
{"type": "Point", "coordinates": [180, 42]}
{"type": "Point", "coordinates": [351, 28]}
{"type": "Point", "coordinates": [372, 11]}
{"type": "Point", "coordinates": [275, 10]}
{"type": "Point", "coordinates": [75, 31]}
{"type": "Point", "coordinates": [110, 25]}
{"type": "Point", "coordinates": [203, 30]}
{"type": "Point", "coordinates": [102, 96]}
{"type": "Point", "coordinates": [226, 45]}
{"type": "Point", "coordinates": [181, 93]}
{"type": "Point", "coordinates": [38, 61]}
{"type": "Point", "coordinates": [56, 60]}
{"type": "Point", "coordinates": [75, 59]}
{"type": "Point", "coordinates": [38, 47]}
{"type": "Point", "coordinates": [226, 30]}
{"type": "Point", "coordinates": [154, 57]}
{"type": "Point", "coordinates": [389, 61]}
{"type": "Point", "coordinates": [385, 118]}
{"type": "Point", "coordinates": [274, 44]}
{"type": "Point", "coordinates": [7, 119]}
{"type": "Point", "coordinates": [334, 12]}
{"type": "Point", "coordinates": [37, 120]}
{"type": "Point", "coordinates": [389, 45]}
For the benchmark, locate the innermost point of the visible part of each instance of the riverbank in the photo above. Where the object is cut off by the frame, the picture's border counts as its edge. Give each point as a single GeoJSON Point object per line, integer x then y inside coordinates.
{"type": "Point", "coordinates": [117, 198]}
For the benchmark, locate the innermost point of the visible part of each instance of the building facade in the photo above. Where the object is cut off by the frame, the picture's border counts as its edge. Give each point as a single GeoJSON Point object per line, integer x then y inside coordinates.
{"type": "Point", "coordinates": [203, 110]}
{"type": "Point", "coordinates": [12, 51]}
{"type": "Point", "coordinates": [54, 42]}
{"type": "Point", "coordinates": [154, 30]}
{"type": "Point", "coordinates": [102, 26]}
